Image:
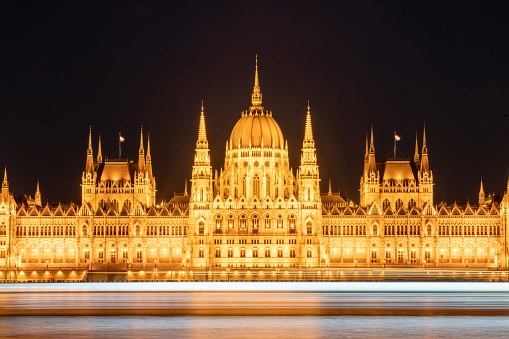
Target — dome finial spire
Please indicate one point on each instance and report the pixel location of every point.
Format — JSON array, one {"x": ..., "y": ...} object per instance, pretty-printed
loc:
[{"x": 256, "y": 97}]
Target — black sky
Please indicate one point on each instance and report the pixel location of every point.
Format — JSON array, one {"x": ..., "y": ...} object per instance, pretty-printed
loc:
[{"x": 116, "y": 65}]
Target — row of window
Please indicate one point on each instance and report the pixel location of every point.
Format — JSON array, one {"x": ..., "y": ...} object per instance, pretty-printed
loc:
[
  {"x": 469, "y": 230},
  {"x": 255, "y": 253}
]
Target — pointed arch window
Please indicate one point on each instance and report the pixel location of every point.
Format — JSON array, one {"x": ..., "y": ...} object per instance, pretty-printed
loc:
[
  {"x": 244, "y": 186},
  {"x": 279, "y": 221},
  {"x": 399, "y": 203},
  {"x": 201, "y": 196},
  {"x": 385, "y": 204},
  {"x": 267, "y": 185},
  {"x": 268, "y": 222},
  {"x": 256, "y": 186}
]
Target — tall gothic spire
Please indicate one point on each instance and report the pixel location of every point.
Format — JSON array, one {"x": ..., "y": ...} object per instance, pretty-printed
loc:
[
  {"x": 424, "y": 160},
  {"x": 141, "y": 157},
  {"x": 38, "y": 201},
  {"x": 5, "y": 183},
  {"x": 482, "y": 195},
  {"x": 308, "y": 132},
  {"x": 256, "y": 97},
  {"x": 330, "y": 187},
  {"x": 90, "y": 153},
  {"x": 416, "y": 153},
  {"x": 424, "y": 147},
  {"x": 202, "y": 141},
  {"x": 149, "y": 157},
  {"x": 372, "y": 143},
  {"x": 99, "y": 152}
]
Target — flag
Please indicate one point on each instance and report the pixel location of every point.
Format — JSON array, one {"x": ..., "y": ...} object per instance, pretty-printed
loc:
[
  {"x": 122, "y": 139},
  {"x": 396, "y": 137}
]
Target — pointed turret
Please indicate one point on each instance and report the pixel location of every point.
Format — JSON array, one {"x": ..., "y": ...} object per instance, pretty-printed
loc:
[
  {"x": 424, "y": 161},
  {"x": 202, "y": 141},
  {"x": 309, "y": 142},
  {"x": 90, "y": 153},
  {"x": 201, "y": 180},
  {"x": 99, "y": 152},
  {"x": 371, "y": 155},
  {"x": 330, "y": 188},
  {"x": 308, "y": 175},
  {"x": 5, "y": 188},
  {"x": 38, "y": 201},
  {"x": 185, "y": 188},
  {"x": 141, "y": 156},
  {"x": 482, "y": 195},
  {"x": 5, "y": 183},
  {"x": 149, "y": 157},
  {"x": 372, "y": 143},
  {"x": 416, "y": 152},
  {"x": 256, "y": 97}
]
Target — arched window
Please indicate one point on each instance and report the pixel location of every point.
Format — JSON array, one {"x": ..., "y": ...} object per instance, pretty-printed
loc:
[
  {"x": 84, "y": 230},
  {"x": 114, "y": 204},
  {"x": 128, "y": 205},
  {"x": 292, "y": 252},
  {"x": 218, "y": 253},
  {"x": 267, "y": 185},
  {"x": 428, "y": 231},
  {"x": 308, "y": 196},
  {"x": 255, "y": 221},
  {"x": 230, "y": 253},
  {"x": 243, "y": 221},
  {"x": 309, "y": 253},
  {"x": 268, "y": 221},
  {"x": 267, "y": 253},
  {"x": 309, "y": 227},
  {"x": 219, "y": 222},
  {"x": 137, "y": 231},
  {"x": 255, "y": 253},
  {"x": 201, "y": 228},
  {"x": 411, "y": 203},
  {"x": 226, "y": 193},
  {"x": 201, "y": 253},
  {"x": 279, "y": 252},
  {"x": 385, "y": 204},
  {"x": 256, "y": 186},
  {"x": 399, "y": 203},
  {"x": 279, "y": 221},
  {"x": 231, "y": 221},
  {"x": 236, "y": 195},
  {"x": 242, "y": 252},
  {"x": 375, "y": 229},
  {"x": 201, "y": 196},
  {"x": 291, "y": 221},
  {"x": 244, "y": 186}
]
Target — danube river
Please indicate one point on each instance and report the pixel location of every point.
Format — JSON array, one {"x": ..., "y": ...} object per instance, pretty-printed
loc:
[{"x": 298, "y": 310}]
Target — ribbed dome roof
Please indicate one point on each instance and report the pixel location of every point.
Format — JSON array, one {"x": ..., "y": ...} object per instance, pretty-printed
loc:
[
  {"x": 251, "y": 128},
  {"x": 256, "y": 123}
]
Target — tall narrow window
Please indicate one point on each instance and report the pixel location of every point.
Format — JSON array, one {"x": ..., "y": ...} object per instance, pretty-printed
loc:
[
  {"x": 267, "y": 185},
  {"x": 256, "y": 186},
  {"x": 244, "y": 188}
]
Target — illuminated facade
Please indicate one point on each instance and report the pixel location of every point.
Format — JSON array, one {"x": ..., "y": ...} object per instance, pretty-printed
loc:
[{"x": 254, "y": 213}]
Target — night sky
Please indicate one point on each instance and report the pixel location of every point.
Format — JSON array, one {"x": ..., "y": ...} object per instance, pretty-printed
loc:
[{"x": 117, "y": 65}]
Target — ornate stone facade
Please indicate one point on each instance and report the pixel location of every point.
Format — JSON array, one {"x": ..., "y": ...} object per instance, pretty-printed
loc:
[{"x": 253, "y": 213}]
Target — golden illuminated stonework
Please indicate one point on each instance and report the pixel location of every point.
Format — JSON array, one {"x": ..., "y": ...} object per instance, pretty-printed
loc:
[{"x": 255, "y": 212}]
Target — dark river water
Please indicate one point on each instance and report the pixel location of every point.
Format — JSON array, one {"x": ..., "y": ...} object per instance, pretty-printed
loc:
[{"x": 110, "y": 312}]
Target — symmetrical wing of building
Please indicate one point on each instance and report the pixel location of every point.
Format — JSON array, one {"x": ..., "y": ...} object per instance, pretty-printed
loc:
[{"x": 254, "y": 212}]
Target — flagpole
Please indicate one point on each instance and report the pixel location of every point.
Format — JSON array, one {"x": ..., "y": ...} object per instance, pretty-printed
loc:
[
  {"x": 119, "y": 148},
  {"x": 394, "y": 144}
]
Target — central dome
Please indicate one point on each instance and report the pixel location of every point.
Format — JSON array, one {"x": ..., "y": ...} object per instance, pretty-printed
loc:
[
  {"x": 257, "y": 127},
  {"x": 252, "y": 128}
]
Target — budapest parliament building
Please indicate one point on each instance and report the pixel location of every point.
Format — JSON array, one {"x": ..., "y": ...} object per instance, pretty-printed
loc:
[{"x": 254, "y": 213}]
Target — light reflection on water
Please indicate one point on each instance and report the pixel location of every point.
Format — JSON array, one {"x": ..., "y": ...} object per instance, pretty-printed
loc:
[
  {"x": 260, "y": 327},
  {"x": 254, "y": 314}
]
